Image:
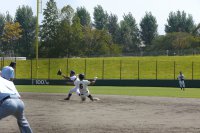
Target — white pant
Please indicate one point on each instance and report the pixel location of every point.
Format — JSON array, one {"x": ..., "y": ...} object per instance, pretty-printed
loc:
[
  {"x": 75, "y": 89},
  {"x": 182, "y": 84},
  {"x": 15, "y": 107},
  {"x": 84, "y": 95}
]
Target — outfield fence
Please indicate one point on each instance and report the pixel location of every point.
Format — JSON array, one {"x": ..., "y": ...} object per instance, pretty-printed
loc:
[{"x": 105, "y": 68}]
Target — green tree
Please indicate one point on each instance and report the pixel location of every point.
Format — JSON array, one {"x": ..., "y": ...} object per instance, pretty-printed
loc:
[
  {"x": 100, "y": 18},
  {"x": 195, "y": 43},
  {"x": 179, "y": 22},
  {"x": 2, "y": 22},
  {"x": 24, "y": 15},
  {"x": 98, "y": 43},
  {"x": 113, "y": 28},
  {"x": 11, "y": 33},
  {"x": 49, "y": 29},
  {"x": 101, "y": 43},
  {"x": 63, "y": 38},
  {"x": 196, "y": 31},
  {"x": 67, "y": 14},
  {"x": 84, "y": 16},
  {"x": 8, "y": 17},
  {"x": 174, "y": 41},
  {"x": 182, "y": 40},
  {"x": 77, "y": 36},
  {"x": 148, "y": 28},
  {"x": 88, "y": 43},
  {"x": 65, "y": 34},
  {"x": 129, "y": 34}
]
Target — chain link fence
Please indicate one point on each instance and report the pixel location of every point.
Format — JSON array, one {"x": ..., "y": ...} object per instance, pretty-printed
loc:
[{"x": 105, "y": 68}]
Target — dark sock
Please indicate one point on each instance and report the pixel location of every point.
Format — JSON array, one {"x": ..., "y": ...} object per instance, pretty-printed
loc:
[
  {"x": 68, "y": 97},
  {"x": 91, "y": 98}
]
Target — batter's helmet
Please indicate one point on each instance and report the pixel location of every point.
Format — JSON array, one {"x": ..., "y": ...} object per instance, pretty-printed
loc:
[{"x": 81, "y": 76}]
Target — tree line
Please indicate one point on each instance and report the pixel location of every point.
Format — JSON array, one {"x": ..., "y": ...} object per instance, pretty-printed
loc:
[{"x": 67, "y": 32}]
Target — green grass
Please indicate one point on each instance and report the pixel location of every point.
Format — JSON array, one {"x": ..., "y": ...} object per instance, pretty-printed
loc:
[
  {"x": 113, "y": 90},
  {"x": 162, "y": 67}
]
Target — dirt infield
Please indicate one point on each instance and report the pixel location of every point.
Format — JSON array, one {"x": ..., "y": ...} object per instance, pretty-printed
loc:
[{"x": 112, "y": 114}]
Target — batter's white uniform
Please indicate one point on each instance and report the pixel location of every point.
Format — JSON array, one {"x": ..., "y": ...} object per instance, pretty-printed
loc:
[
  {"x": 76, "y": 88},
  {"x": 181, "y": 78},
  {"x": 83, "y": 87}
]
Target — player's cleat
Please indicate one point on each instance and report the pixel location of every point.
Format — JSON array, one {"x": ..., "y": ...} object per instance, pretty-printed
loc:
[
  {"x": 66, "y": 98},
  {"x": 96, "y": 99}
]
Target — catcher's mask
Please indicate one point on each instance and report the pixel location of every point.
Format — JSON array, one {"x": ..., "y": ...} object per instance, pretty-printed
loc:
[{"x": 81, "y": 76}]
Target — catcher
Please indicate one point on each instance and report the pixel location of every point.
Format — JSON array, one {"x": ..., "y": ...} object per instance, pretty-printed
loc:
[
  {"x": 83, "y": 87},
  {"x": 73, "y": 78}
]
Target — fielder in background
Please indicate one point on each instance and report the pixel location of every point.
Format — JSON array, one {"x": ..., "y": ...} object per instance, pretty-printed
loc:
[
  {"x": 73, "y": 78},
  {"x": 181, "y": 79},
  {"x": 83, "y": 87},
  {"x": 8, "y": 72},
  {"x": 11, "y": 104}
]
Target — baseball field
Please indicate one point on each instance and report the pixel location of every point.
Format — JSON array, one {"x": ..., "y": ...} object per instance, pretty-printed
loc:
[{"x": 119, "y": 110}]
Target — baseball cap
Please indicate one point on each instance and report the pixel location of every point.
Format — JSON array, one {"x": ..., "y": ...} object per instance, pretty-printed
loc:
[
  {"x": 72, "y": 72},
  {"x": 13, "y": 64}
]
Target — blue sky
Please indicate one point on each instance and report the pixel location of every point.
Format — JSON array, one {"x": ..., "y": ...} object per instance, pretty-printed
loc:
[{"x": 159, "y": 8}]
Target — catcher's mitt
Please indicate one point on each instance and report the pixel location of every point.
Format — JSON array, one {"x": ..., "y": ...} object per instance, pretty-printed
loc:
[{"x": 59, "y": 72}]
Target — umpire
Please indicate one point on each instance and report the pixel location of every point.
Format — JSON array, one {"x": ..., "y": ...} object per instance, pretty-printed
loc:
[{"x": 11, "y": 104}]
